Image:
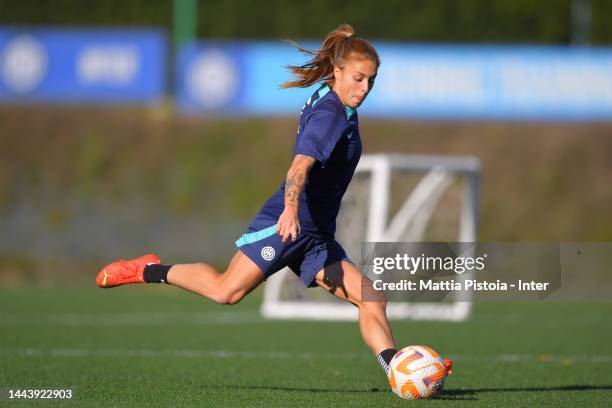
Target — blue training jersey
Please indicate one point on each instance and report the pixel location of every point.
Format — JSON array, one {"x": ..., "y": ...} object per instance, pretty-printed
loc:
[{"x": 328, "y": 132}]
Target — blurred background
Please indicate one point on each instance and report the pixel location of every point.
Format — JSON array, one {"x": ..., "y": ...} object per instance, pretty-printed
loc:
[
  {"x": 137, "y": 126},
  {"x": 159, "y": 126}
]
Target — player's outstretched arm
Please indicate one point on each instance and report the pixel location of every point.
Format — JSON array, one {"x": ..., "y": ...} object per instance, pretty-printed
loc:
[{"x": 288, "y": 222}]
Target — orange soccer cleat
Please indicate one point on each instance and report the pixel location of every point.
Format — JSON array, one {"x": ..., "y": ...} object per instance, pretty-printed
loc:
[
  {"x": 448, "y": 366},
  {"x": 122, "y": 272}
]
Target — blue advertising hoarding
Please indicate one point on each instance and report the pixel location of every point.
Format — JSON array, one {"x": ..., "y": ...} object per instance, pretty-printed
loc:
[
  {"x": 414, "y": 81},
  {"x": 237, "y": 79},
  {"x": 86, "y": 65}
]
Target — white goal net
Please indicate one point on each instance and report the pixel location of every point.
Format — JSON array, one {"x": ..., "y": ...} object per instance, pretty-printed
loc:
[{"x": 392, "y": 198}]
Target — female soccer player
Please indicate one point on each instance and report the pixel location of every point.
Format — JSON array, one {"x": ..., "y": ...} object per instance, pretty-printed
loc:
[{"x": 296, "y": 226}]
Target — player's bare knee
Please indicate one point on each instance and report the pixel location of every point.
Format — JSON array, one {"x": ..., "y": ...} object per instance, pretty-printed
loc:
[
  {"x": 371, "y": 299},
  {"x": 235, "y": 298},
  {"x": 228, "y": 296},
  {"x": 373, "y": 306},
  {"x": 382, "y": 302},
  {"x": 222, "y": 298}
]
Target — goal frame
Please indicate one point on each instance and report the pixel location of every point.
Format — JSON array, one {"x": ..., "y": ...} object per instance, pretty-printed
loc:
[{"x": 436, "y": 170}]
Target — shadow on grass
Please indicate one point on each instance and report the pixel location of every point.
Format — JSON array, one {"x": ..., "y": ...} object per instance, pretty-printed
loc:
[
  {"x": 274, "y": 388},
  {"x": 472, "y": 393},
  {"x": 464, "y": 394}
]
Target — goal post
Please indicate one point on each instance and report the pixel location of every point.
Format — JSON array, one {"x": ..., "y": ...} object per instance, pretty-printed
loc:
[{"x": 392, "y": 198}]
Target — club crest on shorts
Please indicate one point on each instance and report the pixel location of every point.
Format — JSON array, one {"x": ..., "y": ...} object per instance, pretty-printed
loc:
[{"x": 268, "y": 253}]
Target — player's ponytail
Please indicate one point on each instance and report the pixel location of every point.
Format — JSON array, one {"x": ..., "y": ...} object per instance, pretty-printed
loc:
[{"x": 335, "y": 50}]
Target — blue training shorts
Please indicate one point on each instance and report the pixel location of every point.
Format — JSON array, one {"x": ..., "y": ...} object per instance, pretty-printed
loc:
[{"x": 306, "y": 256}]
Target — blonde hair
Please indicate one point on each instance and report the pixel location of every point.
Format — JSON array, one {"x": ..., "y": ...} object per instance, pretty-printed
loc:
[{"x": 336, "y": 49}]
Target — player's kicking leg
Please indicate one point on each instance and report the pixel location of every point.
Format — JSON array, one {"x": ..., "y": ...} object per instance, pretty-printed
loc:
[
  {"x": 240, "y": 278},
  {"x": 344, "y": 280}
]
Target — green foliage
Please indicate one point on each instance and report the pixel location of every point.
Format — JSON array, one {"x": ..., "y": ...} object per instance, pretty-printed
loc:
[
  {"x": 540, "y": 181},
  {"x": 497, "y": 21}
]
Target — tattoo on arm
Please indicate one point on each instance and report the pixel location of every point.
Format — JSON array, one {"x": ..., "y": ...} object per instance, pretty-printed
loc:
[
  {"x": 293, "y": 188},
  {"x": 296, "y": 179}
]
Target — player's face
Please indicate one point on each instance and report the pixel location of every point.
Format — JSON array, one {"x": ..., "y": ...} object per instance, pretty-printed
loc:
[{"x": 354, "y": 80}]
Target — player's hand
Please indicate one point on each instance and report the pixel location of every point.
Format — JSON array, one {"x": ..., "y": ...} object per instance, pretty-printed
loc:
[{"x": 288, "y": 224}]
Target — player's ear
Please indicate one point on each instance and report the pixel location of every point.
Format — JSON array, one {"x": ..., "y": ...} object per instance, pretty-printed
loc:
[{"x": 338, "y": 72}]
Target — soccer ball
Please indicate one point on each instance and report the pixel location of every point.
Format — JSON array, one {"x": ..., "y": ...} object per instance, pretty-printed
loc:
[{"x": 417, "y": 372}]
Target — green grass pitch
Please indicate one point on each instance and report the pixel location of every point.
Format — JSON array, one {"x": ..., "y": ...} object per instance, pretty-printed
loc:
[{"x": 160, "y": 346}]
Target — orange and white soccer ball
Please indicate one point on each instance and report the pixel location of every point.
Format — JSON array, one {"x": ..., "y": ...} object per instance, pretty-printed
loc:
[{"x": 417, "y": 372}]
